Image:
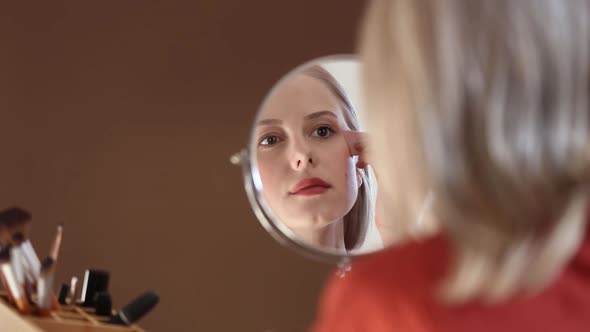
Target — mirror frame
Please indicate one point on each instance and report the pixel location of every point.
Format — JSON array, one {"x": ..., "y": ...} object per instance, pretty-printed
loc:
[{"x": 253, "y": 186}]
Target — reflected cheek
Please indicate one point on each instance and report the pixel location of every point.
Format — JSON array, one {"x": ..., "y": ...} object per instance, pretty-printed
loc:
[
  {"x": 352, "y": 180},
  {"x": 268, "y": 172},
  {"x": 272, "y": 175},
  {"x": 343, "y": 165},
  {"x": 338, "y": 154}
]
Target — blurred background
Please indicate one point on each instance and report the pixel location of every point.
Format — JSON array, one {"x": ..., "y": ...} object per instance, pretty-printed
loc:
[{"x": 118, "y": 119}]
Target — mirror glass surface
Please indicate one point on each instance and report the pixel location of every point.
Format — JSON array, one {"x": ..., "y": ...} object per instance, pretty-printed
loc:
[{"x": 303, "y": 154}]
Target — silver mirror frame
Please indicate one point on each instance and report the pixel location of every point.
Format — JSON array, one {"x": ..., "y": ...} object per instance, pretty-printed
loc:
[{"x": 253, "y": 186}]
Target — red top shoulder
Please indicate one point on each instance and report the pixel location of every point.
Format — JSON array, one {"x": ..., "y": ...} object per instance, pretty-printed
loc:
[{"x": 394, "y": 290}]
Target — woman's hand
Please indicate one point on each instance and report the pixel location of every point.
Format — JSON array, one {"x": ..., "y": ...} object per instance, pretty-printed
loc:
[
  {"x": 356, "y": 141},
  {"x": 362, "y": 154}
]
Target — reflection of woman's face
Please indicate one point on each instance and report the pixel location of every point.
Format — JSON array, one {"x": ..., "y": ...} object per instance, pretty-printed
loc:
[{"x": 308, "y": 176}]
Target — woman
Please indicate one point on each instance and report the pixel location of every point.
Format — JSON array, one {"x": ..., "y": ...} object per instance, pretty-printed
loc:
[
  {"x": 309, "y": 177},
  {"x": 485, "y": 103}
]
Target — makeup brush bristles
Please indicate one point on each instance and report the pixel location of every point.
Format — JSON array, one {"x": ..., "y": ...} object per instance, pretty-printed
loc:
[{"x": 14, "y": 216}]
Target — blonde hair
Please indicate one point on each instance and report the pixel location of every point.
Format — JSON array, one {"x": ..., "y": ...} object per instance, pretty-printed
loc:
[
  {"x": 485, "y": 103},
  {"x": 356, "y": 221}
]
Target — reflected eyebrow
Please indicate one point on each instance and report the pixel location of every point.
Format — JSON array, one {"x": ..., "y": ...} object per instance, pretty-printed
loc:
[
  {"x": 269, "y": 122},
  {"x": 311, "y": 116},
  {"x": 319, "y": 114}
]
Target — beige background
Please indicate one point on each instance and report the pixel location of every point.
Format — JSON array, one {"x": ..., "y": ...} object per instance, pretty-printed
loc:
[{"x": 117, "y": 118}]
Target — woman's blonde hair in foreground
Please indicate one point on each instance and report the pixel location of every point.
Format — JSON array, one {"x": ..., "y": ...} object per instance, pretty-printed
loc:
[{"x": 486, "y": 103}]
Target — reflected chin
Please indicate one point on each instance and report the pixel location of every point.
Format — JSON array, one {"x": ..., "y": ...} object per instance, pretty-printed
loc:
[
  {"x": 311, "y": 218},
  {"x": 308, "y": 224}
]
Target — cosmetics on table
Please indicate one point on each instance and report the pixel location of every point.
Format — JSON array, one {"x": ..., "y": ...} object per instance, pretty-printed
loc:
[
  {"x": 64, "y": 293},
  {"x": 29, "y": 283},
  {"x": 136, "y": 309},
  {"x": 95, "y": 281},
  {"x": 73, "y": 290},
  {"x": 45, "y": 286}
]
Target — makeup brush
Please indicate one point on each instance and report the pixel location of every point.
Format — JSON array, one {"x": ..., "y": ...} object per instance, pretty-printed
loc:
[
  {"x": 12, "y": 220},
  {"x": 45, "y": 286},
  {"x": 15, "y": 290},
  {"x": 29, "y": 259},
  {"x": 17, "y": 260},
  {"x": 4, "y": 259},
  {"x": 47, "y": 298},
  {"x": 54, "y": 253},
  {"x": 14, "y": 216}
]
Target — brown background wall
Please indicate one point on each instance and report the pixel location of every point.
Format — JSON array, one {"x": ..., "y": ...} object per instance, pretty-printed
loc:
[{"x": 117, "y": 118}]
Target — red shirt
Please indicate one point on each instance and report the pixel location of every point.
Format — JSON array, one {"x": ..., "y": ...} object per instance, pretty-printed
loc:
[{"x": 394, "y": 291}]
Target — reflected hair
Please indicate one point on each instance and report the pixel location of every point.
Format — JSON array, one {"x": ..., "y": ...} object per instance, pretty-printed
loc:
[
  {"x": 485, "y": 102},
  {"x": 356, "y": 221}
]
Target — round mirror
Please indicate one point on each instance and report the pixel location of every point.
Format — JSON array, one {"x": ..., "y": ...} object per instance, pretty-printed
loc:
[{"x": 301, "y": 166}]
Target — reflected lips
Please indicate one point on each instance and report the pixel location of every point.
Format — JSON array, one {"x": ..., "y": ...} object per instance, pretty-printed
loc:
[{"x": 311, "y": 186}]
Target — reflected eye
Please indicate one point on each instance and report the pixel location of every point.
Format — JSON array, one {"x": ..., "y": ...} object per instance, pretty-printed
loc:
[
  {"x": 323, "y": 132},
  {"x": 269, "y": 140}
]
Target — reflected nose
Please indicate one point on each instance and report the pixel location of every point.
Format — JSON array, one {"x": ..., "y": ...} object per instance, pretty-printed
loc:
[{"x": 302, "y": 159}]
